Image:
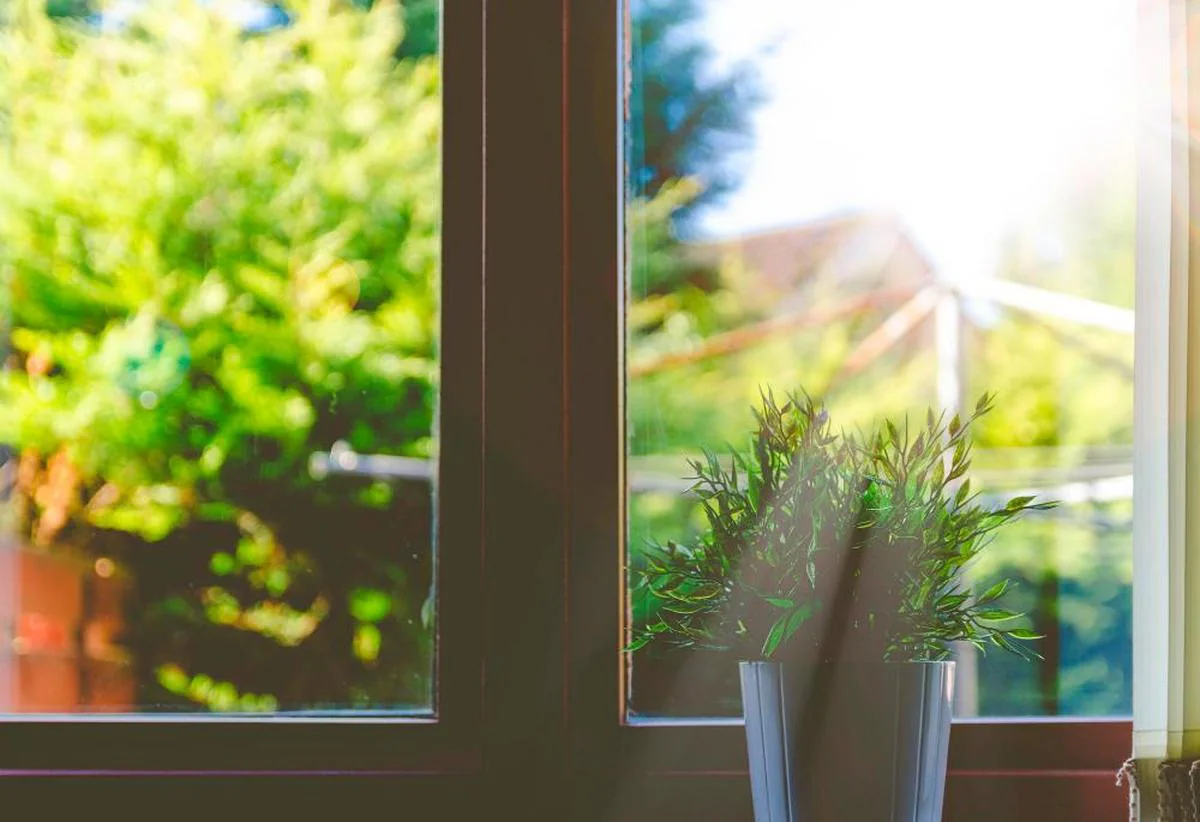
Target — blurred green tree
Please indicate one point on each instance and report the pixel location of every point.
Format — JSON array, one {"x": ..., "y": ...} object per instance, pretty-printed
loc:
[
  {"x": 220, "y": 254},
  {"x": 692, "y": 118}
]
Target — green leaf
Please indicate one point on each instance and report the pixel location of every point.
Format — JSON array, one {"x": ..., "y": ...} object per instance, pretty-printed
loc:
[
  {"x": 172, "y": 678},
  {"x": 774, "y": 637},
  {"x": 639, "y": 643},
  {"x": 685, "y": 607},
  {"x": 222, "y": 564},
  {"x": 1025, "y": 633},
  {"x": 995, "y": 615},
  {"x": 960, "y": 453},
  {"x": 785, "y": 628},
  {"x": 964, "y": 491},
  {"x": 780, "y": 602},
  {"x": 951, "y": 601},
  {"x": 216, "y": 512},
  {"x": 1004, "y": 642},
  {"x": 994, "y": 593},
  {"x": 369, "y": 604},
  {"x": 797, "y": 618},
  {"x": 367, "y": 642},
  {"x": 957, "y": 471}
]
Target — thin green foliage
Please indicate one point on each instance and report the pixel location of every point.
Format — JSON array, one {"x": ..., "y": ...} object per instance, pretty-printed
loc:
[{"x": 821, "y": 544}]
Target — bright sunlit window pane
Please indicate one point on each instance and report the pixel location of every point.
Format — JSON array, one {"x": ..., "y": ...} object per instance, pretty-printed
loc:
[
  {"x": 219, "y": 249},
  {"x": 892, "y": 207}
]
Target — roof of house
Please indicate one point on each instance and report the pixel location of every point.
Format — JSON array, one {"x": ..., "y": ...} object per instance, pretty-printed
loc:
[{"x": 849, "y": 253}]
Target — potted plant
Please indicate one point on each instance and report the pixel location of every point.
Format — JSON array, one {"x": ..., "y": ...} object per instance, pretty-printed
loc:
[{"x": 832, "y": 570}]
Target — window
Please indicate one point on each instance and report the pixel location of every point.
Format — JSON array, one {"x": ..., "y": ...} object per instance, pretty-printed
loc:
[
  {"x": 530, "y": 708},
  {"x": 888, "y": 241},
  {"x": 844, "y": 215},
  {"x": 817, "y": 202},
  {"x": 235, "y": 180}
]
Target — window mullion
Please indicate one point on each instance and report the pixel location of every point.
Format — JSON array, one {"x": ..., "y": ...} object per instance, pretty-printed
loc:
[
  {"x": 596, "y": 435},
  {"x": 522, "y": 615}
]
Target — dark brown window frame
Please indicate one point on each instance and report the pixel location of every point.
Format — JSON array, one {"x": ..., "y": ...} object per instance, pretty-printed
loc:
[{"x": 531, "y": 504}]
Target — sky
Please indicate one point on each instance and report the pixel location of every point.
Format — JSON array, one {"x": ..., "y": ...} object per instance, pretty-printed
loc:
[{"x": 962, "y": 118}]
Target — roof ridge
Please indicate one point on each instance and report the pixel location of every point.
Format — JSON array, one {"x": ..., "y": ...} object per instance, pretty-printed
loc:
[{"x": 836, "y": 219}]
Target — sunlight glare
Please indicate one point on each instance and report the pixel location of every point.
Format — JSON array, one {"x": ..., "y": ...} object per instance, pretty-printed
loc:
[{"x": 961, "y": 118}]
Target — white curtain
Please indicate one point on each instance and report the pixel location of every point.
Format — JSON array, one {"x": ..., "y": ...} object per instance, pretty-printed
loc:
[{"x": 1166, "y": 653}]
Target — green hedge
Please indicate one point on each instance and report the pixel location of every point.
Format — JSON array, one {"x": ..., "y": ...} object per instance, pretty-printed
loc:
[{"x": 220, "y": 255}]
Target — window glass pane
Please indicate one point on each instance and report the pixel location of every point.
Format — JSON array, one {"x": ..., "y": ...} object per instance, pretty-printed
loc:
[
  {"x": 893, "y": 207},
  {"x": 219, "y": 243}
]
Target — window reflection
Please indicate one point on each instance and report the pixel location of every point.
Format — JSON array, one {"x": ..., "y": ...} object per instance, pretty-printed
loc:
[{"x": 891, "y": 207}]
